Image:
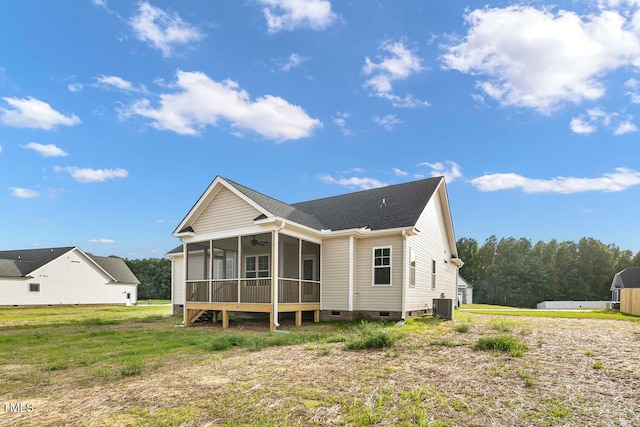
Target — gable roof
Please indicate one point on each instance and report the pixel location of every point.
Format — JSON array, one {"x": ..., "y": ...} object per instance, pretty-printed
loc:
[
  {"x": 19, "y": 263},
  {"x": 116, "y": 268},
  {"x": 393, "y": 206},
  {"x": 627, "y": 278}
]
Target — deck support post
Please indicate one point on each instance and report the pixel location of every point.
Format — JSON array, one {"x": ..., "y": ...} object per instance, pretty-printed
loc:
[
  {"x": 316, "y": 316},
  {"x": 215, "y": 316},
  {"x": 225, "y": 319},
  {"x": 272, "y": 325},
  {"x": 298, "y": 318},
  {"x": 187, "y": 317}
]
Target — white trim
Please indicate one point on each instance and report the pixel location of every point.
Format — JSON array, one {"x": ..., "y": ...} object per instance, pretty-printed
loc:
[
  {"x": 248, "y": 231},
  {"x": 373, "y": 265},
  {"x": 351, "y": 267}
]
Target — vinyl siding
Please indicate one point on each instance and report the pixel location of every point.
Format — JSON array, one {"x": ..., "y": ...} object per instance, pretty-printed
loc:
[
  {"x": 335, "y": 274},
  {"x": 431, "y": 244},
  {"x": 197, "y": 268},
  {"x": 383, "y": 298},
  {"x": 68, "y": 279},
  {"x": 226, "y": 211},
  {"x": 178, "y": 280}
]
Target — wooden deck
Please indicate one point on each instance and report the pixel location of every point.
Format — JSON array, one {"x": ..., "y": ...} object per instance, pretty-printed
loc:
[{"x": 251, "y": 296}]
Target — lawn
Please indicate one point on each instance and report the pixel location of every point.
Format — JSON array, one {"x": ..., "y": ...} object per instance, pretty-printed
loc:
[
  {"x": 137, "y": 366},
  {"x": 532, "y": 312}
]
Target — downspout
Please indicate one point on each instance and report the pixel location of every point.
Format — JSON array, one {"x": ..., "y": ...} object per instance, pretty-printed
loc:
[
  {"x": 276, "y": 261},
  {"x": 404, "y": 274},
  {"x": 185, "y": 266},
  {"x": 351, "y": 260}
]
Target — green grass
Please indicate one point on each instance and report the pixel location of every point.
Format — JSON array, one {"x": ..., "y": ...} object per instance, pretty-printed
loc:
[
  {"x": 371, "y": 335},
  {"x": 503, "y": 343},
  {"x": 511, "y": 311}
]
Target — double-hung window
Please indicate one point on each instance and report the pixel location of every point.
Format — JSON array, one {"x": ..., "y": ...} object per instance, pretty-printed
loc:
[
  {"x": 382, "y": 266},
  {"x": 412, "y": 267},
  {"x": 257, "y": 266},
  {"x": 433, "y": 274}
]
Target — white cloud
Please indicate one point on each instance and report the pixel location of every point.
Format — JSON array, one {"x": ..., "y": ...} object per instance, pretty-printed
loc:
[
  {"x": 400, "y": 63},
  {"x": 399, "y": 172},
  {"x": 33, "y": 113},
  {"x": 75, "y": 87},
  {"x": 594, "y": 118},
  {"x": 621, "y": 179},
  {"x": 87, "y": 175},
  {"x": 101, "y": 241},
  {"x": 540, "y": 59},
  {"x": 161, "y": 29},
  {"x": 360, "y": 182},
  {"x": 203, "y": 101},
  {"x": 579, "y": 126},
  {"x": 634, "y": 85},
  {"x": 0, "y": 148},
  {"x": 340, "y": 120},
  {"x": 46, "y": 150},
  {"x": 114, "y": 81},
  {"x": 625, "y": 127},
  {"x": 450, "y": 170},
  {"x": 387, "y": 122},
  {"x": 23, "y": 193},
  {"x": 288, "y": 15},
  {"x": 293, "y": 61}
]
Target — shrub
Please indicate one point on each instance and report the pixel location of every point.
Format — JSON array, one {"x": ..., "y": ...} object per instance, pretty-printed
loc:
[
  {"x": 462, "y": 328},
  {"x": 502, "y": 343}
]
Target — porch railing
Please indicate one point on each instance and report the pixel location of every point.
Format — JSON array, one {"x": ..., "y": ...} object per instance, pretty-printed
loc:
[
  {"x": 253, "y": 291},
  {"x": 298, "y": 291}
]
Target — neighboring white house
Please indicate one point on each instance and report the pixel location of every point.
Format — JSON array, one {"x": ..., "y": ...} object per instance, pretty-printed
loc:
[
  {"x": 381, "y": 253},
  {"x": 465, "y": 291},
  {"x": 65, "y": 275}
]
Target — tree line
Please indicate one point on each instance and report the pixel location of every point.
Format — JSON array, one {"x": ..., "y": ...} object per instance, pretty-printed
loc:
[
  {"x": 154, "y": 275},
  {"x": 517, "y": 273}
]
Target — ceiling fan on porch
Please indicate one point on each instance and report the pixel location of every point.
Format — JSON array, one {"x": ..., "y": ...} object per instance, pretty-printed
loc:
[{"x": 256, "y": 242}]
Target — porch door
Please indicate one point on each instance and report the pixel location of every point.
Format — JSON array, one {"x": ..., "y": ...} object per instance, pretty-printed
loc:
[
  {"x": 308, "y": 268},
  {"x": 308, "y": 273}
]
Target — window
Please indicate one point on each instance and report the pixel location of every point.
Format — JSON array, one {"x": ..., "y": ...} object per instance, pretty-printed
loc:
[
  {"x": 412, "y": 268},
  {"x": 257, "y": 266},
  {"x": 433, "y": 274},
  {"x": 34, "y": 287},
  {"x": 382, "y": 266}
]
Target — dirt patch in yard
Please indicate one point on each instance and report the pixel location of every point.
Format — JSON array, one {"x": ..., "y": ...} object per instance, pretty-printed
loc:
[{"x": 576, "y": 372}]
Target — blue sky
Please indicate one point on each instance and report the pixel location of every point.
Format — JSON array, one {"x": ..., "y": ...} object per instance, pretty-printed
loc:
[{"x": 115, "y": 115}]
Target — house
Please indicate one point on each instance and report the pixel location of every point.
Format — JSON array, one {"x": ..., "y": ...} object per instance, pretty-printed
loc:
[
  {"x": 465, "y": 291},
  {"x": 625, "y": 279},
  {"x": 380, "y": 253},
  {"x": 64, "y": 275},
  {"x": 625, "y": 290}
]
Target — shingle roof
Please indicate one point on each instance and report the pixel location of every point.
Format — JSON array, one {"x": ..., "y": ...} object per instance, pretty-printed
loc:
[
  {"x": 278, "y": 208},
  {"x": 117, "y": 268},
  {"x": 19, "y": 263},
  {"x": 27, "y": 260},
  {"x": 627, "y": 278},
  {"x": 393, "y": 206}
]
